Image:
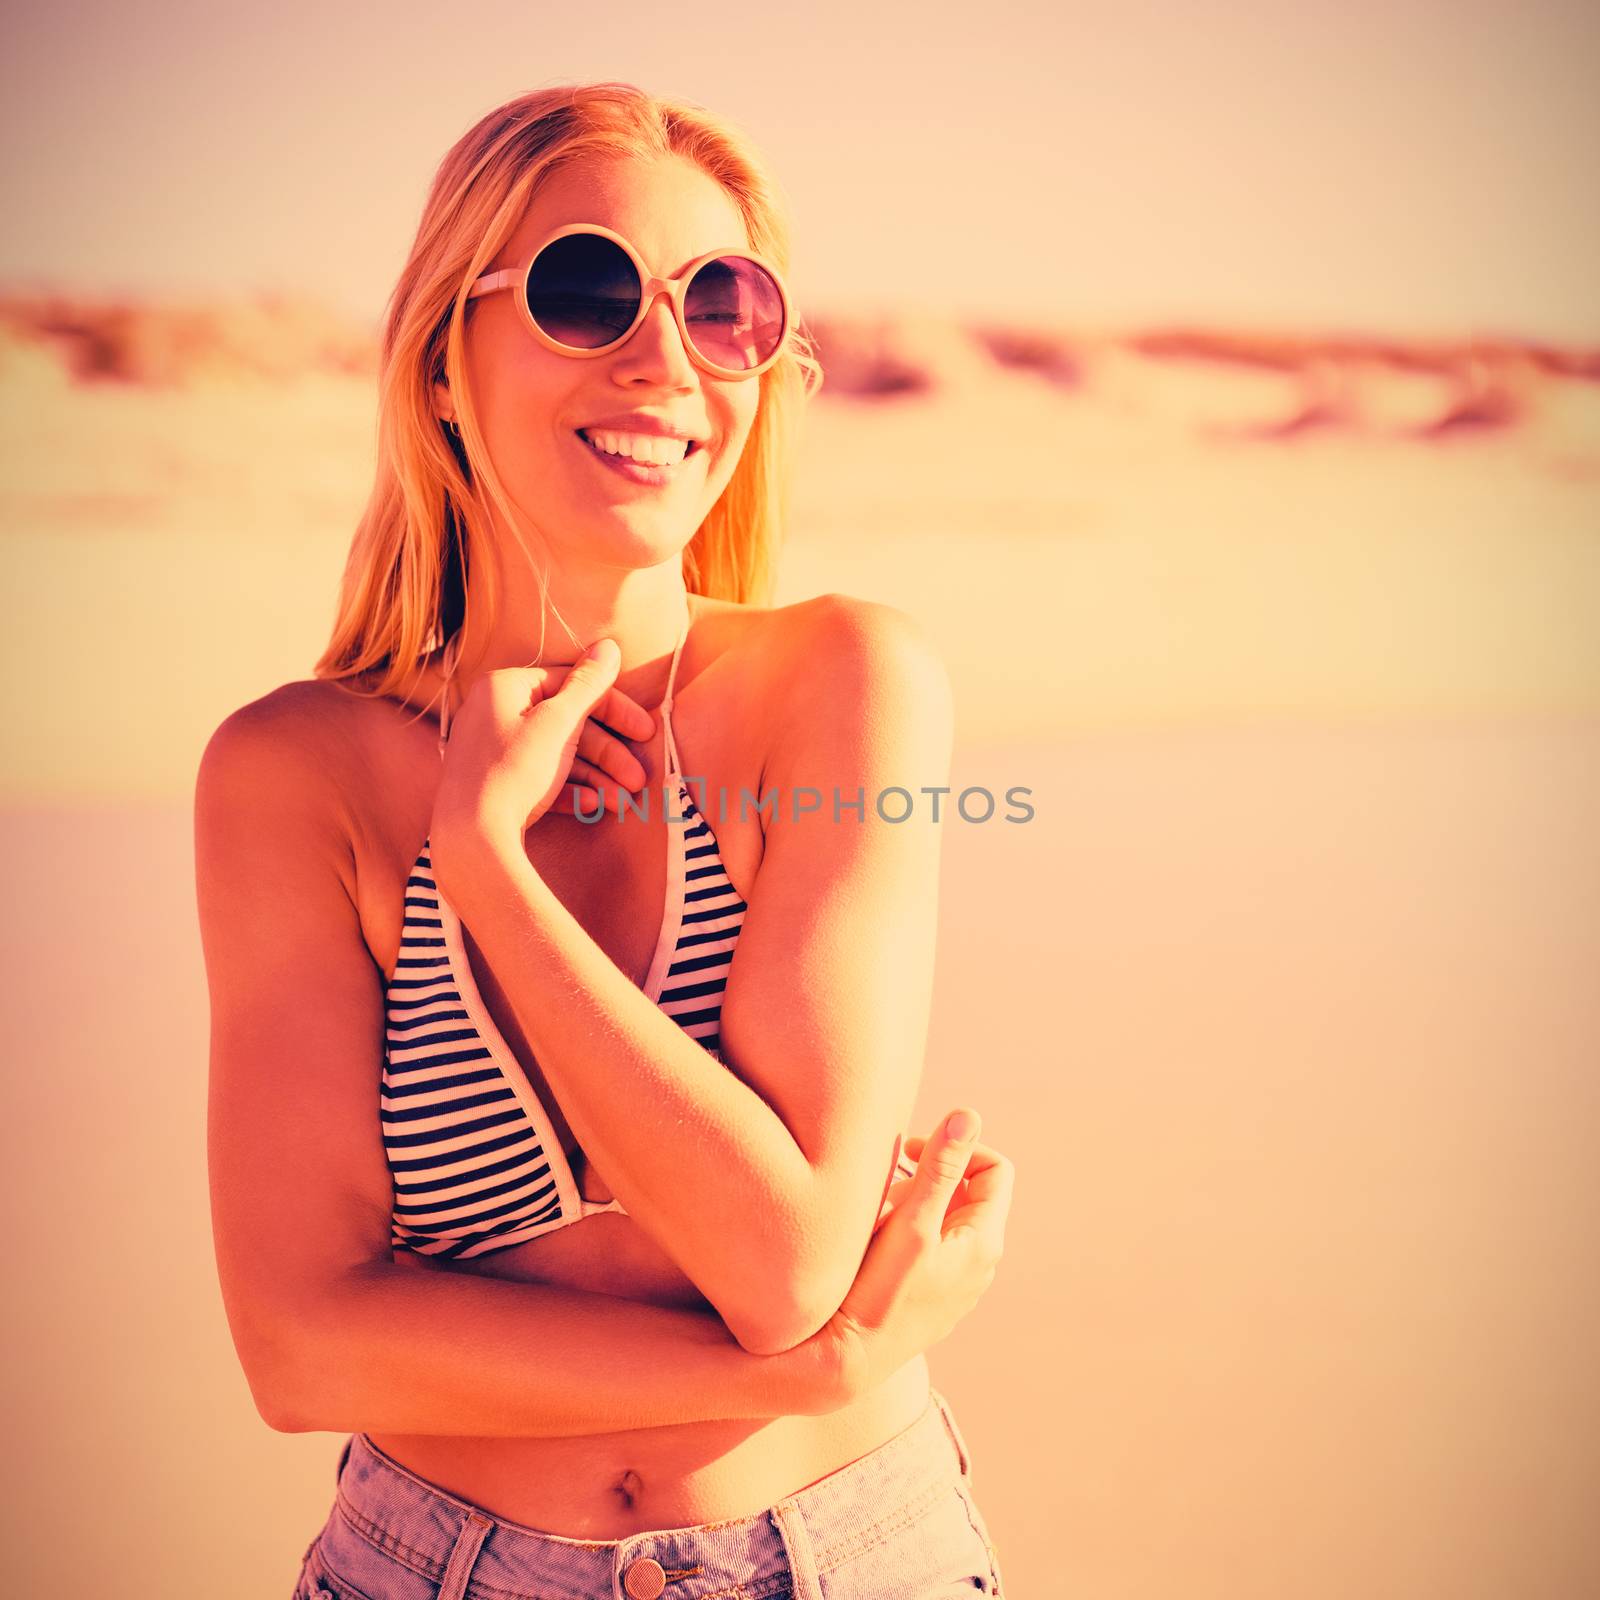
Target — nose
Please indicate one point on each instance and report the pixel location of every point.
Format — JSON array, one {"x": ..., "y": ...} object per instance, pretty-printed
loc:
[{"x": 655, "y": 349}]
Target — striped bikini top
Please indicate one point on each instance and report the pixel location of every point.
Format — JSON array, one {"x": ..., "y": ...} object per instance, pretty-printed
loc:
[{"x": 476, "y": 1164}]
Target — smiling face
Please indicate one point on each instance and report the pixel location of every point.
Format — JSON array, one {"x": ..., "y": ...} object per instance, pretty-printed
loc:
[{"x": 531, "y": 401}]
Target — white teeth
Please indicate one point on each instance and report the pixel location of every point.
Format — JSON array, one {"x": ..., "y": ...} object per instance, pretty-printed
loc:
[{"x": 648, "y": 448}]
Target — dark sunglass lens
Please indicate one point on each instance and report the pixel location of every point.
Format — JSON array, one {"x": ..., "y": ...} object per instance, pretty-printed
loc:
[
  {"x": 734, "y": 310},
  {"x": 583, "y": 291}
]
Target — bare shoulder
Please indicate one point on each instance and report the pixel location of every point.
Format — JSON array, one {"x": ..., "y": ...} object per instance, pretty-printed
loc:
[
  {"x": 850, "y": 658},
  {"x": 849, "y": 632},
  {"x": 302, "y": 728},
  {"x": 855, "y": 687},
  {"x": 294, "y": 754}
]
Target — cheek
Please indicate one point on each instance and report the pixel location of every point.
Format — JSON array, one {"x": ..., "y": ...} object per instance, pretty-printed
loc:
[
  {"x": 518, "y": 415},
  {"x": 518, "y": 388},
  {"x": 736, "y": 431}
]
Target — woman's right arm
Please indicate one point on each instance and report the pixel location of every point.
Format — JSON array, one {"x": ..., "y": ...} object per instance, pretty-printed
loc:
[{"x": 332, "y": 1332}]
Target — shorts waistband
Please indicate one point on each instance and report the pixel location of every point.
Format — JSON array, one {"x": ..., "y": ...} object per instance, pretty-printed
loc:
[{"x": 443, "y": 1537}]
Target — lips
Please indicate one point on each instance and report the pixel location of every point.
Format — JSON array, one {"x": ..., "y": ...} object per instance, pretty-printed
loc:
[
  {"x": 692, "y": 447},
  {"x": 644, "y": 472},
  {"x": 644, "y": 423}
]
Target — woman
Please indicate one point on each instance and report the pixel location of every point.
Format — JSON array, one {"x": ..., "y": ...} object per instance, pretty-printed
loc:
[{"x": 590, "y": 371}]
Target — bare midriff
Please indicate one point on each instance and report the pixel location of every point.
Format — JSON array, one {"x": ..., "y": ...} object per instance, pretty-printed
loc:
[{"x": 612, "y": 1485}]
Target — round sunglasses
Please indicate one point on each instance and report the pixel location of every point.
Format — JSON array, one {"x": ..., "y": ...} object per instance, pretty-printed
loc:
[{"x": 586, "y": 289}]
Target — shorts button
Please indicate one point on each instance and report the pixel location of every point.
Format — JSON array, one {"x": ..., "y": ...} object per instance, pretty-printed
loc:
[{"x": 644, "y": 1579}]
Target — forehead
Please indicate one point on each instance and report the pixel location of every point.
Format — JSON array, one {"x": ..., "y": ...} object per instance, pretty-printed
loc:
[{"x": 668, "y": 209}]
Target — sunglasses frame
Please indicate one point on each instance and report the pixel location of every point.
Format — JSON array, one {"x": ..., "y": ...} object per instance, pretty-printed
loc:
[{"x": 650, "y": 286}]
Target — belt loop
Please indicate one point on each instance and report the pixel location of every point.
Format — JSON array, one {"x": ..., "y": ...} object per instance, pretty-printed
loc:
[
  {"x": 804, "y": 1580},
  {"x": 344, "y": 1456},
  {"x": 464, "y": 1556},
  {"x": 962, "y": 1453}
]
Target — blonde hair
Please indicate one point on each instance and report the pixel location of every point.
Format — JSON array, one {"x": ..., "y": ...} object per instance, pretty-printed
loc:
[{"x": 404, "y": 590}]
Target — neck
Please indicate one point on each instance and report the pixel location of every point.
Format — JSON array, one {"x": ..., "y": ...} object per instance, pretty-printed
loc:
[{"x": 647, "y": 617}]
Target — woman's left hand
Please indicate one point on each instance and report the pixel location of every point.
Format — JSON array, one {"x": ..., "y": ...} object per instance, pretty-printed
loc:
[
  {"x": 528, "y": 739},
  {"x": 928, "y": 1262}
]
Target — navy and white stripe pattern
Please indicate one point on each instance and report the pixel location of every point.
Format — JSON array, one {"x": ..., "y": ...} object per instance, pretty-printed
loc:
[
  {"x": 470, "y": 1171},
  {"x": 712, "y": 915},
  {"x": 475, "y": 1165}
]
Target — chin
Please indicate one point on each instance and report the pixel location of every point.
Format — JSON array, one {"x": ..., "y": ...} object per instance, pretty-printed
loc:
[{"x": 637, "y": 536}]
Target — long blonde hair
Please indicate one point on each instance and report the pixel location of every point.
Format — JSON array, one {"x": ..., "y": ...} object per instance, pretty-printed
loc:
[{"x": 404, "y": 590}]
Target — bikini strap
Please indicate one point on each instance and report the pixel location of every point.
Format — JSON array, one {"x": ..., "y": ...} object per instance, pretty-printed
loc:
[{"x": 673, "y": 769}]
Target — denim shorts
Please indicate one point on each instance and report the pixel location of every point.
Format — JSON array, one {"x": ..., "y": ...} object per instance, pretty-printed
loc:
[{"x": 898, "y": 1523}]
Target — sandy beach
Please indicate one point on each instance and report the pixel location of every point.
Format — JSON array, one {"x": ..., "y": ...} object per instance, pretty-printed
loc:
[{"x": 1283, "y": 1002}]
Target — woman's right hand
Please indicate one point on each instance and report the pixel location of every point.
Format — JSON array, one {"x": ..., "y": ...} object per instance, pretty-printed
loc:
[
  {"x": 525, "y": 738},
  {"x": 929, "y": 1261}
]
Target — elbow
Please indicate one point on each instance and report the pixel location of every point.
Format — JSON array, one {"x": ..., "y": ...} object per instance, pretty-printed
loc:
[
  {"x": 279, "y": 1399},
  {"x": 286, "y": 1398},
  {"x": 768, "y": 1337},
  {"x": 280, "y": 1366},
  {"x": 790, "y": 1294},
  {"x": 786, "y": 1315},
  {"x": 310, "y": 1360},
  {"x": 773, "y": 1338},
  {"x": 275, "y": 1410}
]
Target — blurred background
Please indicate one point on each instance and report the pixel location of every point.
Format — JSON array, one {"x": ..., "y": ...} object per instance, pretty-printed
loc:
[{"x": 1221, "y": 386}]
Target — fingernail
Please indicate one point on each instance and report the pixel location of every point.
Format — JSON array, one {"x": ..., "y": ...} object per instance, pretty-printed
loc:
[{"x": 960, "y": 1126}]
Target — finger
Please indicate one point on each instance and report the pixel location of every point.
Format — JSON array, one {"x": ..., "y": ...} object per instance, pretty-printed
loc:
[
  {"x": 620, "y": 798},
  {"x": 520, "y": 697},
  {"x": 623, "y": 715},
  {"x": 940, "y": 1167},
  {"x": 980, "y": 1154},
  {"x": 576, "y": 797},
  {"x": 583, "y": 771},
  {"x": 589, "y": 681},
  {"x": 986, "y": 1201},
  {"x": 611, "y": 760},
  {"x": 616, "y": 709},
  {"x": 965, "y": 1210},
  {"x": 597, "y": 795}
]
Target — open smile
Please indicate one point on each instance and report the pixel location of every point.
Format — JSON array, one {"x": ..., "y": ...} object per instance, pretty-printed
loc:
[{"x": 660, "y": 467}]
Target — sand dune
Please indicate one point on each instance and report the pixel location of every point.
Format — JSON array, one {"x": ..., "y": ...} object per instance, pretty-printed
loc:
[
  {"x": 1422, "y": 388},
  {"x": 130, "y": 341}
]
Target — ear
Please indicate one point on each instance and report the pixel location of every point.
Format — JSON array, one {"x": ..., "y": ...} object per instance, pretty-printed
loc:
[{"x": 443, "y": 406}]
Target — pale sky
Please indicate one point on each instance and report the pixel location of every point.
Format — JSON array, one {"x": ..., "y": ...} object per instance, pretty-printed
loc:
[{"x": 1389, "y": 165}]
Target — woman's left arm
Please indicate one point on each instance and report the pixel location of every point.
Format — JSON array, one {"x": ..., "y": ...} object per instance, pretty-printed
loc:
[{"x": 763, "y": 1177}]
